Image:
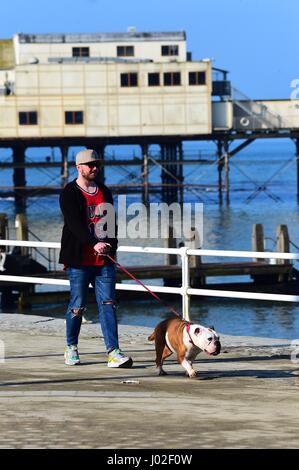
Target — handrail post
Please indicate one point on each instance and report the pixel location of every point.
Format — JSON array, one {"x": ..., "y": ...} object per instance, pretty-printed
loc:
[{"x": 185, "y": 283}]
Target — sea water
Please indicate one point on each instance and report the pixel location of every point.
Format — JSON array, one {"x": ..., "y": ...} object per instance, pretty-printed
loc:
[{"x": 262, "y": 190}]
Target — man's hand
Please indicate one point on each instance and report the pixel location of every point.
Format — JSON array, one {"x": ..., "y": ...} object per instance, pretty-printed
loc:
[{"x": 102, "y": 248}]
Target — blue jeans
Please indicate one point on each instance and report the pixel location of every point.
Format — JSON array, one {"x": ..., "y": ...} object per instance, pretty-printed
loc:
[{"x": 103, "y": 281}]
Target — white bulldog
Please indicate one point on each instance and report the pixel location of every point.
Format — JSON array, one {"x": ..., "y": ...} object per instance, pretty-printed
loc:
[{"x": 185, "y": 339}]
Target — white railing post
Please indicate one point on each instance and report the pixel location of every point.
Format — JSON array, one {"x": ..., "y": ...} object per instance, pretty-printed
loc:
[{"x": 185, "y": 283}]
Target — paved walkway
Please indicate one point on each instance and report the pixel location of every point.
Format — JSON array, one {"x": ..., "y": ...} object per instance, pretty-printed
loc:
[{"x": 247, "y": 397}]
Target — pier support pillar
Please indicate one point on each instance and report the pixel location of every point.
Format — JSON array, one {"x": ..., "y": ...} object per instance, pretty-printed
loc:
[
  {"x": 282, "y": 242},
  {"x": 180, "y": 172},
  {"x": 19, "y": 177},
  {"x": 4, "y": 232},
  {"x": 171, "y": 260},
  {"x": 170, "y": 176},
  {"x": 144, "y": 171},
  {"x": 220, "y": 165},
  {"x": 283, "y": 246},
  {"x": 226, "y": 170},
  {"x": 64, "y": 165},
  {"x": 21, "y": 227},
  {"x": 258, "y": 240},
  {"x": 101, "y": 153},
  {"x": 192, "y": 240},
  {"x": 6, "y": 295}
]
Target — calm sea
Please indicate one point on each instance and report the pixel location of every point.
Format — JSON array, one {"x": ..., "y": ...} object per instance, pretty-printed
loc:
[{"x": 263, "y": 190}]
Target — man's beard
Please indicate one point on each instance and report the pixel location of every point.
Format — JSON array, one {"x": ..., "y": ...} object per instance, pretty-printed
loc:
[{"x": 90, "y": 176}]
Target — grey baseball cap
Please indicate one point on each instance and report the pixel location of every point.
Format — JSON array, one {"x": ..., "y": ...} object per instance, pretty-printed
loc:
[{"x": 87, "y": 156}]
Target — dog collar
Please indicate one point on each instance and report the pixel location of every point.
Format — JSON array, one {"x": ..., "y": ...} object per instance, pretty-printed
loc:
[{"x": 188, "y": 331}]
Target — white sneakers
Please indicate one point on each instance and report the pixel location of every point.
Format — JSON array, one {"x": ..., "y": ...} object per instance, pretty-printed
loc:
[
  {"x": 71, "y": 356},
  {"x": 117, "y": 359}
]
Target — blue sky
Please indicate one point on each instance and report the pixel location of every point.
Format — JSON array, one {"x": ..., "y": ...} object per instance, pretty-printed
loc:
[{"x": 256, "y": 40}]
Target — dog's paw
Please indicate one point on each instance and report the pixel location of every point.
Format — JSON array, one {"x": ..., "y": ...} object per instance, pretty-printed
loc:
[{"x": 193, "y": 374}]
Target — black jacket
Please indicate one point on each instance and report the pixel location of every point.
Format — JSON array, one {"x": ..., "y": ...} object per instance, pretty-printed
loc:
[{"x": 75, "y": 232}]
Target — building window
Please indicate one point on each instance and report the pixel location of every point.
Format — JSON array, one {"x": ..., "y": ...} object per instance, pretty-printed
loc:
[
  {"x": 28, "y": 118},
  {"x": 153, "y": 79},
  {"x": 197, "y": 78},
  {"x": 73, "y": 117},
  {"x": 125, "y": 51},
  {"x": 80, "y": 51},
  {"x": 170, "y": 50},
  {"x": 128, "y": 79},
  {"x": 172, "y": 78}
]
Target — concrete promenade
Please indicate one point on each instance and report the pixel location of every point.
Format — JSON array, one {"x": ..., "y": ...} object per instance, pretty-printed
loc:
[{"x": 247, "y": 397}]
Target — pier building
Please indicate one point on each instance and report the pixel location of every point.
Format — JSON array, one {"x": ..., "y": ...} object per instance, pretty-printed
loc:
[{"x": 143, "y": 88}]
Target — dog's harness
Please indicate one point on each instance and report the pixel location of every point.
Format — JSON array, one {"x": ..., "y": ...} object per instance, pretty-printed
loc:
[
  {"x": 188, "y": 324},
  {"x": 188, "y": 331},
  {"x": 168, "y": 344}
]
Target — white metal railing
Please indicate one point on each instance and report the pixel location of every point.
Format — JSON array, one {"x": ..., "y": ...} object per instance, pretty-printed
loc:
[
  {"x": 185, "y": 290},
  {"x": 261, "y": 116}
]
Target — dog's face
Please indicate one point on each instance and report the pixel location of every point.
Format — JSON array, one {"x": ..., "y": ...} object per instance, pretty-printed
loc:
[{"x": 206, "y": 339}]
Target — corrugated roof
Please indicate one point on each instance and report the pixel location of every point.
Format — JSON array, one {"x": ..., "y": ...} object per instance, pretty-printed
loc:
[{"x": 101, "y": 37}]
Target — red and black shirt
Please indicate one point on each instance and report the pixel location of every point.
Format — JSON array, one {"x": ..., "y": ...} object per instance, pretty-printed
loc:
[
  {"x": 93, "y": 216},
  {"x": 75, "y": 232}
]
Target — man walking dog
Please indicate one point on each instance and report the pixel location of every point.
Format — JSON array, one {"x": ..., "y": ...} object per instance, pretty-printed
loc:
[{"x": 83, "y": 252}]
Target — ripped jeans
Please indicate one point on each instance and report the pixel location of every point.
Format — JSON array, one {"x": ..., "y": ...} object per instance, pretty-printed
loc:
[{"x": 103, "y": 281}]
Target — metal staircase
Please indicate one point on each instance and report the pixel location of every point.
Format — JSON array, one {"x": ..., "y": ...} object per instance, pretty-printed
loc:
[{"x": 251, "y": 115}]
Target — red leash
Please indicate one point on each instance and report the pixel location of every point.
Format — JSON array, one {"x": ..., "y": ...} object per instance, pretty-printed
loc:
[{"x": 144, "y": 286}]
